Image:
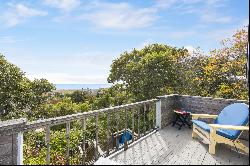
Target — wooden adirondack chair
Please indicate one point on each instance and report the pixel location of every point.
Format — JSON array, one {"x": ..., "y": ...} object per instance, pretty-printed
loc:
[{"x": 227, "y": 127}]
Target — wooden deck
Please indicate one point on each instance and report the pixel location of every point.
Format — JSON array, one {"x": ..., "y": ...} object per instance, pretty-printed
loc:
[{"x": 171, "y": 146}]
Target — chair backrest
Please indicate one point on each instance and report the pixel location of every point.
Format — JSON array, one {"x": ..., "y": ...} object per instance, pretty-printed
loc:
[{"x": 236, "y": 114}]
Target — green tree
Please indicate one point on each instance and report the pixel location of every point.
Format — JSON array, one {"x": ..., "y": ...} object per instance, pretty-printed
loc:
[
  {"x": 192, "y": 74},
  {"x": 19, "y": 95},
  {"x": 113, "y": 96},
  {"x": 231, "y": 66},
  {"x": 64, "y": 107},
  {"x": 146, "y": 72},
  {"x": 220, "y": 73},
  {"x": 80, "y": 96}
]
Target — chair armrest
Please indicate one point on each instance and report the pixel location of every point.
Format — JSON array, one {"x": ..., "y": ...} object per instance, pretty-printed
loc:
[
  {"x": 229, "y": 127},
  {"x": 196, "y": 116}
]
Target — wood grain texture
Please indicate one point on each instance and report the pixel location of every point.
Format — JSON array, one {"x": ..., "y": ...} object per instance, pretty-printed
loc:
[{"x": 171, "y": 146}]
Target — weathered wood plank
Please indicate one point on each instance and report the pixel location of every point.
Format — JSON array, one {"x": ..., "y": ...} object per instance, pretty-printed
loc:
[{"x": 170, "y": 146}]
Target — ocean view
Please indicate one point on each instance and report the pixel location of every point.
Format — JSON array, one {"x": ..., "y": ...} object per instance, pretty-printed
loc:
[{"x": 81, "y": 86}]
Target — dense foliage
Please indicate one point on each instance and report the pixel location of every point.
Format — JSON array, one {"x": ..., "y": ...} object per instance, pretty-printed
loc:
[
  {"x": 160, "y": 69},
  {"x": 145, "y": 72},
  {"x": 19, "y": 96},
  {"x": 222, "y": 73}
]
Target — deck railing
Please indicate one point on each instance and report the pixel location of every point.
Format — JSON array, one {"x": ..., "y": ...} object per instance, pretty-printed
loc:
[
  {"x": 138, "y": 118},
  {"x": 100, "y": 130}
]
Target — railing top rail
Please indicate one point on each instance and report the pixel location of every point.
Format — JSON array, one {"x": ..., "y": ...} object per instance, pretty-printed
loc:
[
  {"x": 202, "y": 97},
  {"x": 11, "y": 124},
  {"x": 68, "y": 118}
]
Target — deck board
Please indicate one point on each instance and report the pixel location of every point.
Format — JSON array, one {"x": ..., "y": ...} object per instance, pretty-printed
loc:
[{"x": 171, "y": 146}]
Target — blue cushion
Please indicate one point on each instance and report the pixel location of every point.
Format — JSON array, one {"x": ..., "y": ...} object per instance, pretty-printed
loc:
[
  {"x": 236, "y": 114},
  {"x": 221, "y": 132},
  {"x": 128, "y": 136},
  {"x": 202, "y": 125}
]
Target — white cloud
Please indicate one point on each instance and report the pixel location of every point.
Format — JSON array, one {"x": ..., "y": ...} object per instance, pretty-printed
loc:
[
  {"x": 64, "y": 5},
  {"x": 212, "y": 17},
  {"x": 212, "y": 2},
  {"x": 209, "y": 11},
  {"x": 165, "y": 4},
  {"x": 191, "y": 49},
  {"x": 181, "y": 3},
  {"x": 119, "y": 16},
  {"x": 18, "y": 13},
  {"x": 24, "y": 11},
  {"x": 220, "y": 34}
]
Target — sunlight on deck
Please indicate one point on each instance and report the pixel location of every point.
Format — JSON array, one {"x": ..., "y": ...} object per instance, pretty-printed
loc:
[{"x": 173, "y": 146}]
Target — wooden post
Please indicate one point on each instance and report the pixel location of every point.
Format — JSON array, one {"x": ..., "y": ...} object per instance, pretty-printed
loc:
[
  {"x": 19, "y": 148},
  {"x": 158, "y": 114}
]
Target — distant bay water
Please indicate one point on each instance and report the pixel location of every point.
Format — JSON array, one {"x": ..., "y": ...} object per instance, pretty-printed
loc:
[{"x": 81, "y": 86}]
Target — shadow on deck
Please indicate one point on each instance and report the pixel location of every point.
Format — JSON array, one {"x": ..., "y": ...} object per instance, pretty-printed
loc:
[{"x": 172, "y": 146}]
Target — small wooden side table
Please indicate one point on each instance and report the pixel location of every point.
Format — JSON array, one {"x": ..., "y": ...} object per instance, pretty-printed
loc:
[{"x": 182, "y": 118}]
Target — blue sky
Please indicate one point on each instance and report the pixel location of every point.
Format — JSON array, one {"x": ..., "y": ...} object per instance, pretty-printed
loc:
[{"x": 75, "y": 41}]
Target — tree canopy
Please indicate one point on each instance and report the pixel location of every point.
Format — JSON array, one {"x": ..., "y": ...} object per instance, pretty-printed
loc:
[
  {"x": 145, "y": 72},
  {"x": 161, "y": 69},
  {"x": 223, "y": 72},
  {"x": 19, "y": 95}
]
